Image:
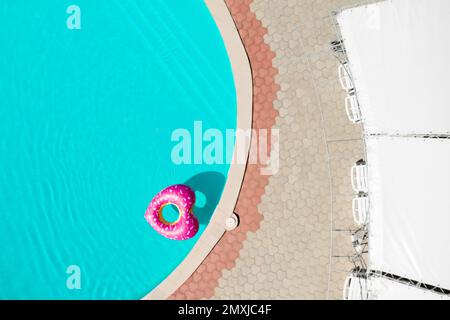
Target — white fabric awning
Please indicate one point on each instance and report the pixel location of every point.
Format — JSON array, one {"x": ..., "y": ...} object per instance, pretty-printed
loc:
[
  {"x": 399, "y": 56},
  {"x": 386, "y": 289},
  {"x": 409, "y": 217}
]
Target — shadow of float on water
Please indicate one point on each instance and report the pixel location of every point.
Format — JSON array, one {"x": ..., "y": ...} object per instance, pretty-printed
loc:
[{"x": 208, "y": 185}]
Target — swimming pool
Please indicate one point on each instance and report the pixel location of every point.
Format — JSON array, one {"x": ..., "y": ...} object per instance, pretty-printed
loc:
[{"x": 86, "y": 118}]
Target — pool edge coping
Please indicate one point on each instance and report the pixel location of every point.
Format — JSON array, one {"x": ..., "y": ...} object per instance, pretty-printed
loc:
[{"x": 243, "y": 83}]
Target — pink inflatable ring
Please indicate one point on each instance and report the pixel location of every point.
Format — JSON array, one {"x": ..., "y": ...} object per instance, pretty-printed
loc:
[{"x": 182, "y": 197}]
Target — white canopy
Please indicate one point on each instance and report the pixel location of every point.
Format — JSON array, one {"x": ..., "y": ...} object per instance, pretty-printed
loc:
[
  {"x": 409, "y": 217},
  {"x": 399, "y": 57},
  {"x": 386, "y": 289}
]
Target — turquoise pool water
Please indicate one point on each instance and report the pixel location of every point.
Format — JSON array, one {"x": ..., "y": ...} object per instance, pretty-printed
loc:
[{"x": 86, "y": 117}]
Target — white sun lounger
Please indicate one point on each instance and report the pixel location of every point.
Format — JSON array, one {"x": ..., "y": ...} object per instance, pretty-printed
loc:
[
  {"x": 358, "y": 176},
  {"x": 360, "y": 209},
  {"x": 352, "y": 108},
  {"x": 344, "y": 77}
]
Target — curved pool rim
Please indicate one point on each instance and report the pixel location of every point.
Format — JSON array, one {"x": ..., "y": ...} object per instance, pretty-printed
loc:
[{"x": 242, "y": 75}]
